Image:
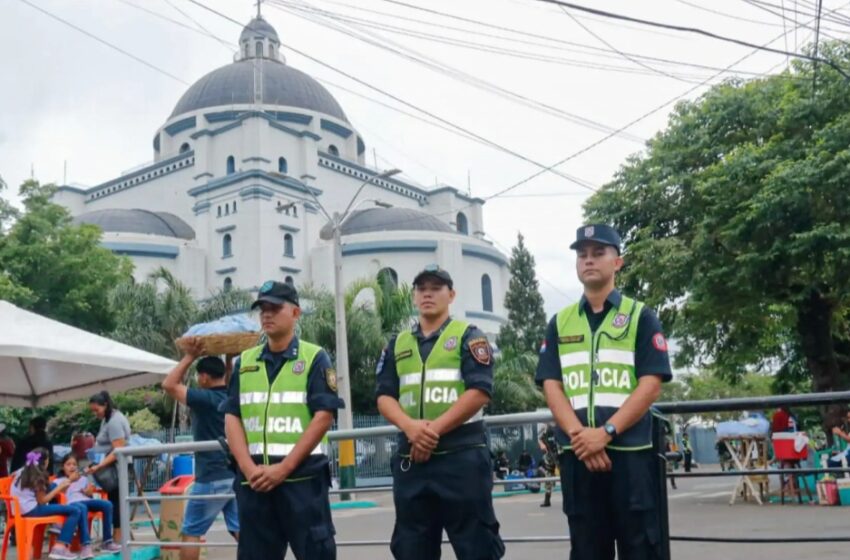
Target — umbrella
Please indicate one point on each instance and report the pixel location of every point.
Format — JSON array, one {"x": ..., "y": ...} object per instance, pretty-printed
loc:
[{"x": 44, "y": 362}]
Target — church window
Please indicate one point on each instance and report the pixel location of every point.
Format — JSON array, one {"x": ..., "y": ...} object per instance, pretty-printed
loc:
[
  {"x": 259, "y": 49},
  {"x": 234, "y": 206},
  {"x": 282, "y": 167},
  {"x": 333, "y": 150},
  {"x": 462, "y": 223},
  {"x": 486, "y": 293},
  {"x": 219, "y": 210},
  {"x": 228, "y": 284},
  {"x": 227, "y": 246},
  {"x": 184, "y": 148},
  {"x": 289, "y": 280},
  {"x": 231, "y": 165},
  {"x": 288, "y": 245}
]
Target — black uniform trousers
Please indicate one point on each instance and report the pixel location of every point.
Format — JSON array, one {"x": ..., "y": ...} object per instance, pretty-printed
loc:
[
  {"x": 451, "y": 492},
  {"x": 295, "y": 514},
  {"x": 617, "y": 506}
]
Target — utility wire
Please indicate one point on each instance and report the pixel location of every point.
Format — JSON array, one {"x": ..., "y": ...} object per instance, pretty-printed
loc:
[
  {"x": 199, "y": 26},
  {"x": 103, "y": 41},
  {"x": 697, "y": 31}
]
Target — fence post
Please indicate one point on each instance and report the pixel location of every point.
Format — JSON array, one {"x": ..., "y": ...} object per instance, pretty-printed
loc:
[
  {"x": 124, "y": 505},
  {"x": 659, "y": 447}
]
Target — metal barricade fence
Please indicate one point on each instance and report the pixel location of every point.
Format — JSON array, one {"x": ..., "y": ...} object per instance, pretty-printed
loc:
[{"x": 505, "y": 430}]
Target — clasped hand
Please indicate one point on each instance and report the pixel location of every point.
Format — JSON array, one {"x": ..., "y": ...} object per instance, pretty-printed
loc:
[
  {"x": 423, "y": 440},
  {"x": 589, "y": 446},
  {"x": 264, "y": 478}
]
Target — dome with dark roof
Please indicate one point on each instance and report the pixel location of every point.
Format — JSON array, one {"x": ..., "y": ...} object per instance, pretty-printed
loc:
[
  {"x": 392, "y": 219},
  {"x": 282, "y": 85},
  {"x": 259, "y": 28},
  {"x": 125, "y": 220}
]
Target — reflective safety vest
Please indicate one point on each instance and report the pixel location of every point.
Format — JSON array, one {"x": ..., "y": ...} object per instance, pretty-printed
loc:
[
  {"x": 428, "y": 390},
  {"x": 598, "y": 369},
  {"x": 274, "y": 417}
]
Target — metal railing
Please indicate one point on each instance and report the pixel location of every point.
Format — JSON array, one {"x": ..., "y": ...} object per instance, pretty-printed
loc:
[{"x": 125, "y": 456}]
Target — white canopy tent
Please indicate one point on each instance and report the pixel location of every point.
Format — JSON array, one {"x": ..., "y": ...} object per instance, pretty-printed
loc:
[{"x": 44, "y": 362}]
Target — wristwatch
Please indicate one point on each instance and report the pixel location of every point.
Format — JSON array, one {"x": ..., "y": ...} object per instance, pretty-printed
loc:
[{"x": 610, "y": 430}]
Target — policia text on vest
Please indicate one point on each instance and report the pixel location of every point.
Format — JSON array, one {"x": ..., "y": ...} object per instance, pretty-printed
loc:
[{"x": 432, "y": 383}]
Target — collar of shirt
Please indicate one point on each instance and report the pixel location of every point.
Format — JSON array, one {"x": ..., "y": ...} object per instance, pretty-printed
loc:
[
  {"x": 290, "y": 353},
  {"x": 614, "y": 299},
  {"x": 420, "y": 336}
]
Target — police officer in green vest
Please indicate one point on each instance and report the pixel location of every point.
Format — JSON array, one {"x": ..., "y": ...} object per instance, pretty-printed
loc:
[
  {"x": 282, "y": 402},
  {"x": 601, "y": 368},
  {"x": 433, "y": 382}
]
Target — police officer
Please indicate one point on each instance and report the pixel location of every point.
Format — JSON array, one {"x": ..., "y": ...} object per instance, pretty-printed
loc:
[
  {"x": 549, "y": 461},
  {"x": 601, "y": 367},
  {"x": 282, "y": 401},
  {"x": 433, "y": 382}
]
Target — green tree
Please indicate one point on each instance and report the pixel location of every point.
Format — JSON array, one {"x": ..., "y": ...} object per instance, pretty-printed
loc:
[
  {"x": 54, "y": 267},
  {"x": 526, "y": 326},
  {"x": 737, "y": 224},
  {"x": 514, "y": 389}
]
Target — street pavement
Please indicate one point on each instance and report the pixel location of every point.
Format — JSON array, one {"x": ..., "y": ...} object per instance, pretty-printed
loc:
[{"x": 700, "y": 507}]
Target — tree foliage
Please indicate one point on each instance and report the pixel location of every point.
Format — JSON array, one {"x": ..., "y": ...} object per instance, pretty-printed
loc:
[
  {"x": 737, "y": 224},
  {"x": 513, "y": 385},
  {"x": 524, "y": 331}
]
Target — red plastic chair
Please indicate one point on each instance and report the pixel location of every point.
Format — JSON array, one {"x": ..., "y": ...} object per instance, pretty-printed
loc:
[
  {"x": 29, "y": 531},
  {"x": 75, "y": 543}
]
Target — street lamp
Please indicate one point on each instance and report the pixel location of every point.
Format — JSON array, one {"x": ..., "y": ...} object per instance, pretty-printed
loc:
[{"x": 344, "y": 418}]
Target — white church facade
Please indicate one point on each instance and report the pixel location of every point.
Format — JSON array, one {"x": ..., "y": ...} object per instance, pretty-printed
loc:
[{"x": 240, "y": 170}]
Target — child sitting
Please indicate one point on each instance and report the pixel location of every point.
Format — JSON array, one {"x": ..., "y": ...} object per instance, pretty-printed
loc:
[
  {"x": 78, "y": 493},
  {"x": 31, "y": 487}
]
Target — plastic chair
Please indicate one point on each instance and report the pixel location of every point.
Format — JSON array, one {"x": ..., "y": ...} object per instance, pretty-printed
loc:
[{"x": 29, "y": 531}]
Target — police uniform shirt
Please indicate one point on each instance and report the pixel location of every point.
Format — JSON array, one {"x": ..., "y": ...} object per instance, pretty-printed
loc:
[
  {"x": 651, "y": 356},
  {"x": 476, "y": 371},
  {"x": 320, "y": 395}
]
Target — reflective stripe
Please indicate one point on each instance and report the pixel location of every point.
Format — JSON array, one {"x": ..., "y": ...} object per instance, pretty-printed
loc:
[
  {"x": 253, "y": 398},
  {"x": 613, "y": 400},
  {"x": 410, "y": 379},
  {"x": 579, "y": 402},
  {"x": 289, "y": 397},
  {"x": 623, "y": 357},
  {"x": 575, "y": 359},
  {"x": 279, "y": 449},
  {"x": 445, "y": 374}
]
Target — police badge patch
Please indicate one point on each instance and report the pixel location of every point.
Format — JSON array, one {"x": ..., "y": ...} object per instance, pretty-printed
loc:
[
  {"x": 480, "y": 350},
  {"x": 299, "y": 366},
  {"x": 330, "y": 378},
  {"x": 451, "y": 343},
  {"x": 267, "y": 285},
  {"x": 620, "y": 321},
  {"x": 589, "y": 231}
]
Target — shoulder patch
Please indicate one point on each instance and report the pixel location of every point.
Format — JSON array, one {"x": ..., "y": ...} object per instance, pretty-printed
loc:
[
  {"x": 659, "y": 342},
  {"x": 248, "y": 369},
  {"x": 402, "y": 355},
  {"x": 480, "y": 350},
  {"x": 571, "y": 339},
  {"x": 330, "y": 378}
]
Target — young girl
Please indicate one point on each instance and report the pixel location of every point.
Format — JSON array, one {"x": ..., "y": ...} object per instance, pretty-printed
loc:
[
  {"x": 79, "y": 493},
  {"x": 32, "y": 488}
]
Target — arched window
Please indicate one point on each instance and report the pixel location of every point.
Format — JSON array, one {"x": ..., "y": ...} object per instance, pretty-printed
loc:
[
  {"x": 231, "y": 165},
  {"x": 289, "y": 280},
  {"x": 486, "y": 293},
  {"x": 333, "y": 150},
  {"x": 259, "y": 46},
  {"x": 234, "y": 206},
  {"x": 184, "y": 148},
  {"x": 462, "y": 223},
  {"x": 227, "y": 209},
  {"x": 228, "y": 284},
  {"x": 294, "y": 211},
  {"x": 219, "y": 210},
  {"x": 226, "y": 246},
  {"x": 288, "y": 245},
  {"x": 282, "y": 167},
  {"x": 389, "y": 276}
]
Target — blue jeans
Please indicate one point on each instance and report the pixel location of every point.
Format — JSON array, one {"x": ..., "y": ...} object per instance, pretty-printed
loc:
[
  {"x": 102, "y": 506},
  {"x": 74, "y": 521},
  {"x": 200, "y": 514}
]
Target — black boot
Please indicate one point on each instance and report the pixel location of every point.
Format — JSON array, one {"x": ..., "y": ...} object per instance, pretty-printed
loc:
[{"x": 547, "y": 500}]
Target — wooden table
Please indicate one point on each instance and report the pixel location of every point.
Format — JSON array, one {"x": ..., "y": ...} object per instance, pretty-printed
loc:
[{"x": 749, "y": 453}]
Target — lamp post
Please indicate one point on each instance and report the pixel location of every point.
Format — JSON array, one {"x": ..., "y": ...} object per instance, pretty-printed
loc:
[{"x": 344, "y": 420}]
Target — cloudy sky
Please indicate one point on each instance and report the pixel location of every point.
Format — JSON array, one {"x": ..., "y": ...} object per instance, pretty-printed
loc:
[{"x": 540, "y": 83}]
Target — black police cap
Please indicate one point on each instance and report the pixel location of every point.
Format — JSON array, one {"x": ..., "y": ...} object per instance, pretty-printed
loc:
[
  {"x": 276, "y": 293},
  {"x": 599, "y": 233},
  {"x": 434, "y": 271}
]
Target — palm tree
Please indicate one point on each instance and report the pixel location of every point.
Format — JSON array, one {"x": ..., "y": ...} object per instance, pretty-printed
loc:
[{"x": 514, "y": 389}]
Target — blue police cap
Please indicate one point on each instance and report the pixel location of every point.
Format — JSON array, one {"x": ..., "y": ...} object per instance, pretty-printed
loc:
[
  {"x": 599, "y": 233},
  {"x": 276, "y": 293}
]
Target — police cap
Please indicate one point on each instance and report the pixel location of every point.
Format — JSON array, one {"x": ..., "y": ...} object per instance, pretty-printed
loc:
[
  {"x": 434, "y": 272},
  {"x": 276, "y": 293},
  {"x": 599, "y": 233}
]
